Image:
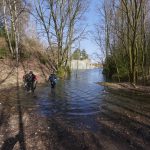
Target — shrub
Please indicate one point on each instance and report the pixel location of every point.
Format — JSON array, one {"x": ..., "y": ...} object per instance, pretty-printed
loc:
[
  {"x": 63, "y": 72},
  {"x": 109, "y": 68}
]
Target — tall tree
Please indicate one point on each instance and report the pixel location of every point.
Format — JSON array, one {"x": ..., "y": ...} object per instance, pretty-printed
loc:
[
  {"x": 126, "y": 25},
  {"x": 59, "y": 21},
  {"x": 14, "y": 18}
]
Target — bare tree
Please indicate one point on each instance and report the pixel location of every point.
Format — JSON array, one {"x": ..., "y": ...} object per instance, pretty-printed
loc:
[
  {"x": 59, "y": 21},
  {"x": 14, "y": 18}
]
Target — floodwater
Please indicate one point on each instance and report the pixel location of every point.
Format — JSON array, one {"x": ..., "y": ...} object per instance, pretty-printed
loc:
[{"x": 78, "y": 114}]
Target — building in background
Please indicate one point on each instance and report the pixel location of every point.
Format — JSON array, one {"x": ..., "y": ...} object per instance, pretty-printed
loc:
[{"x": 81, "y": 64}]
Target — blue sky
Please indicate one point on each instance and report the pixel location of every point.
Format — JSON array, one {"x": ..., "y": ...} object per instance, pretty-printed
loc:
[{"x": 91, "y": 19}]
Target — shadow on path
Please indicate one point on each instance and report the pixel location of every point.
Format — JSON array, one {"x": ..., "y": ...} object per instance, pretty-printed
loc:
[{"x": 20, "y": 137}]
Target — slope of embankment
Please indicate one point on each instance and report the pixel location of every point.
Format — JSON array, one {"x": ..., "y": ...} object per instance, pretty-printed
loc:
[{"x": 8, "y": 72}]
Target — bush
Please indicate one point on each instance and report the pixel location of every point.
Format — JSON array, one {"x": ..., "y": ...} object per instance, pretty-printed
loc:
[
  {"x": 42, "y": 58},
  {"x": 63, "y": 72},
  {"x": 25, "y": 55},
  {"x": 109, "y": 68}
]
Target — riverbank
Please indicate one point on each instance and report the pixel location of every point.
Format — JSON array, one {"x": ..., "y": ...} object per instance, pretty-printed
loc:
[
  {"x": 8, "y": 72},
  {"x": 77, "y": 115},
  {"x": 127, "y": 88}
]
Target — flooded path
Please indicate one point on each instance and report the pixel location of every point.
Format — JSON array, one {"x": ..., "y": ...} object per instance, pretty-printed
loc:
[{"x": 77, "y": 115}]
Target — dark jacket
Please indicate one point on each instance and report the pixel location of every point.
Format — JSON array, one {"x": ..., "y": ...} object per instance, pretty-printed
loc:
[
  {"x": 52, "y": 78},
  {"x": 29, "y": 78}
]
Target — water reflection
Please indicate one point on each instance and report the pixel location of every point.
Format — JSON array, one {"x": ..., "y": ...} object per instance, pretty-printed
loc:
[
  {"x": 87, "y": 106},
  {"x": 80, "y": 114},
  {"x": 77, "y": 96}
]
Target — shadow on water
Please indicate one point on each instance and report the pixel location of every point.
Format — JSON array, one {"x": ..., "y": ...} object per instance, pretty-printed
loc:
[
  {"x": 113, "y": 120},
  {"x": 80, "y": 115},
  {"x": 125, "y": 119},
  {"x": 70, "y": 141},
  {"x": 61, "y": 136}
]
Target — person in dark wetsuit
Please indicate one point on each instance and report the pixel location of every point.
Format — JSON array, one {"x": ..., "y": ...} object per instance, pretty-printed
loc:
[
  {"x": 30, "y": 81},
  {"x": 52, "y": 79}
]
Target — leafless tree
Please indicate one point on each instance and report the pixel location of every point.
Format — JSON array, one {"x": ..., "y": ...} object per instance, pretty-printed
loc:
[
  {"x": 59, "y": 22},
  {"x": 14, "y": 18}
]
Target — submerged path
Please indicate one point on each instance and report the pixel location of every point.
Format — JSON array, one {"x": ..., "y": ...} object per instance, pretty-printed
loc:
[{"x": 77, "y": 115}]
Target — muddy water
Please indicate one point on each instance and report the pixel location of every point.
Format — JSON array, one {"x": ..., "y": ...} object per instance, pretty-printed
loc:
[{"x": 77, "y": 115}]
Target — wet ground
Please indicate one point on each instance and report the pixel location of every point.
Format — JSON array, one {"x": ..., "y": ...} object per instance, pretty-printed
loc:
[{"x": 77, "y": 115}]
